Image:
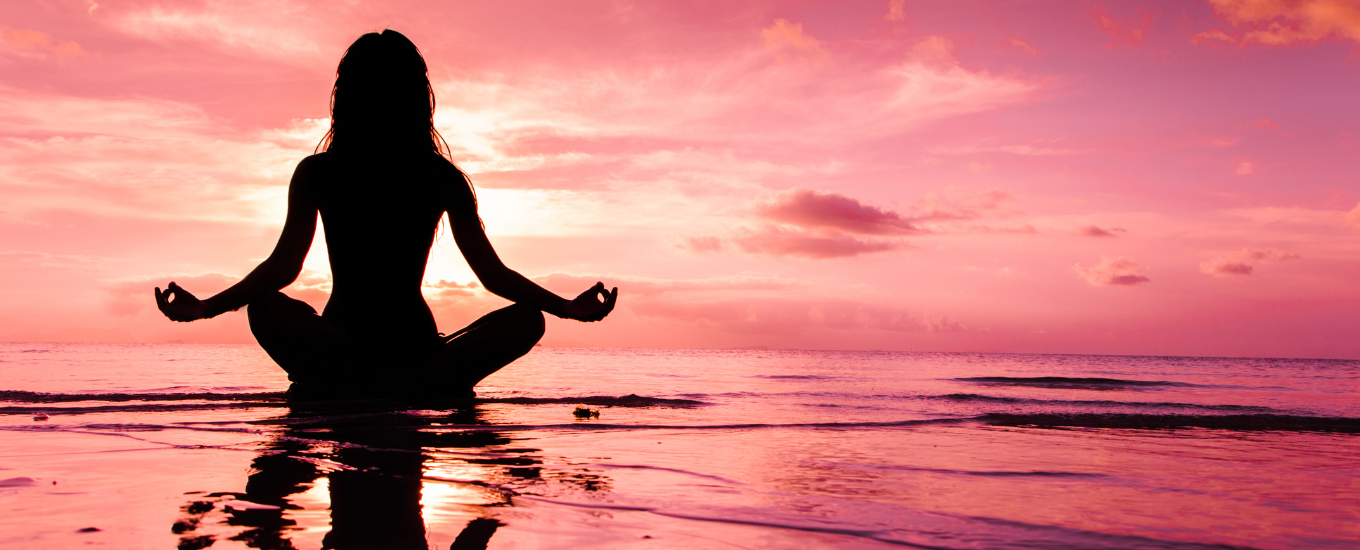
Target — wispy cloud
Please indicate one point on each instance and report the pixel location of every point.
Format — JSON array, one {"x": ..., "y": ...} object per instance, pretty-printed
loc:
[
  {"x": 1236, "y": 263},
  {"x": 807, "y": 223},
  {"x": 790, "y": 43},
  {"x": 32, "y": 43},
  {"x": 1284, "y": 22},
  {"x": 782, "y": 241},
  {"x": 897, "y": 10},
  {"x": 239, "y": 26},
  {"x": 1096, "y": 231},
  {"x": 1123, "y": 31},
  {"x": 816, "y": 210},
  {"x": 1112, "y": 271},
  {"x": 1020, "y": 45}
]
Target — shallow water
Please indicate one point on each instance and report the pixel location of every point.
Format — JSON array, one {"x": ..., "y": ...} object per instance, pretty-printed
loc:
[{"x": 160, "y": 446}]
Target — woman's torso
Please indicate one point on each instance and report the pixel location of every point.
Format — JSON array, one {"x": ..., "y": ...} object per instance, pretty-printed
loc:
[{"x": 380, "y": 214}]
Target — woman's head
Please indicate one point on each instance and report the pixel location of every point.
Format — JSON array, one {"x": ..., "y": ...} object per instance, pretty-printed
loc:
[{"x": 382, "y": 98}]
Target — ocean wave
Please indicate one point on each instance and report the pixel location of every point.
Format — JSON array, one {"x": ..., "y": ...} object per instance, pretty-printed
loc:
[
  {"x": 157, "y": 402},
  {"x": 978, "y": 473},
  {"x": 1234, "y": 422},
  {"x": 16, "y": 396},
  {"x": 972, "y": 397},
  {"x": 630, "y": 400},
  {"x": 178, "y": 407},
  {"x": 801, "y": 377},
  {"x": 1071, "y": 383},
  {"x": 932, "y": 530}
]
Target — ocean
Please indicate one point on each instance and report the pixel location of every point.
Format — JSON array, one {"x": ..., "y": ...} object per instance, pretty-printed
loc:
[{"x": 195, "y": 446}]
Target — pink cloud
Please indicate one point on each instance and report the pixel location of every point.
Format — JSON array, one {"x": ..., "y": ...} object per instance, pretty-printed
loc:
[
  {"x": 238, "y": 27},
  {"x": 1212, "y": 37},
  {"x": 815, "y": 225},
  {"x": 1235, "y": 263},
  {"x": 1112, "y": 271},
  {"x": 25, "y": 42},
  {"x": 1226, "y": 269},
  {"x": 790, "y": 42},
  {"x": 815, "y": 209},
  {"x": 936, "y": 51},
  {"x": 821, "y": 225},
  {"x": 956, "y": 205},
  {"x": 1285, "y": 22},
  {"x": 25, "y": 258},
  {"x": 1353, "y": 217},
  {"x": 442, "y": 284},
  {"x": 897, "y": 10},
  {"x": 1124, "y": 31},
  {"x": 797, "y": 317},
  {"x": 779, "y": 241},
  {"x": 646, "y": 286},
  {"x": 701, "y": 243},
  {"x": 1021, "y": 45},
  {"x": 1094, "y": 231},
  {"x": 1246, "y": 168}
]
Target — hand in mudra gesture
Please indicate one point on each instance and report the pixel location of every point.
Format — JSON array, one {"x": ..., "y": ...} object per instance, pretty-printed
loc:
[
  {"x": 179, "y": 305},
  {"x": 592, "y": 305}
]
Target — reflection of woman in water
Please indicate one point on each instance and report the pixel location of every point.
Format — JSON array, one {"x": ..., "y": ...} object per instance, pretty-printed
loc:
[{"x": 381, "y": 186}]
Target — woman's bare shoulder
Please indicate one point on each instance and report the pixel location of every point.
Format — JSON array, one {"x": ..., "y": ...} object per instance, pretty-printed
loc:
[
  {"x": 313, "y": 165},
  {"x": 454, "y": 186},
  {"x": 443, "y": 167}
]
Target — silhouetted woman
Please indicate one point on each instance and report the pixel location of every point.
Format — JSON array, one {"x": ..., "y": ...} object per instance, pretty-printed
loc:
[{"x": 381, "y": 186}]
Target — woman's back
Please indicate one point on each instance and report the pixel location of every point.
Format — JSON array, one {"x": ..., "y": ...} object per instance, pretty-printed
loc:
[{"x": 380, "y": 213}]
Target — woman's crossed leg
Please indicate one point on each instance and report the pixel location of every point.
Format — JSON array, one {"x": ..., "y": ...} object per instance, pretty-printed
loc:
[{"x": 324, "y": 361}]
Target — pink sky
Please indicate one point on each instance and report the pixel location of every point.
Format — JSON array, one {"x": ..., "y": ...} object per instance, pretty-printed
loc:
[{"x": 1070, "y": 177}]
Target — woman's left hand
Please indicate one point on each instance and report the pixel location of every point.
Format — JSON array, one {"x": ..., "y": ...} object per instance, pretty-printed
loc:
[
  {"x": 588, "y": 308},
  {"x": 179, "y": 305}
]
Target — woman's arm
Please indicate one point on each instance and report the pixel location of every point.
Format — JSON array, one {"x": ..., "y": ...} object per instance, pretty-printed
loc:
[
  {"x": 277, "y": 271},
  {"x": 592, "y": 305}
]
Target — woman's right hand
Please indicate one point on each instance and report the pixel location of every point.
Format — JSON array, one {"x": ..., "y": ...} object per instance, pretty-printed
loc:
[
  {"x": 588, "y": 308},
  {"x": 179, "y": 305}
]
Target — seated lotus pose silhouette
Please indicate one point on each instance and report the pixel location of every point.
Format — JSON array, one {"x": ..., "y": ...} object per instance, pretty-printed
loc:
[{"x": 381, "y": 184}]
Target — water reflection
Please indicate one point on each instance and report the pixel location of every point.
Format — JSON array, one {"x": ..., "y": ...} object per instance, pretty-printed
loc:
[{"x": 383, "y": 476}]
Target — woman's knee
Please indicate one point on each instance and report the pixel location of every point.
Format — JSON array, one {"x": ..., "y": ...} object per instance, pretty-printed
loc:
[
  {"x": 516, "y": 325},
  {"x": 528, "y": 319}
]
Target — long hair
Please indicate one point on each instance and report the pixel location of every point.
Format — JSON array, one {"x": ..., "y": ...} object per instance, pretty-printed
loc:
[{"x": 382, "y": 100}]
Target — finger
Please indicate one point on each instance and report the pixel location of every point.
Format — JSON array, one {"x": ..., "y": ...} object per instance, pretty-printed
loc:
[
  {"x": 609, "y": 302},
  {"x": 607, "y": 306},
  {"x": 163, "y": 304}
]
